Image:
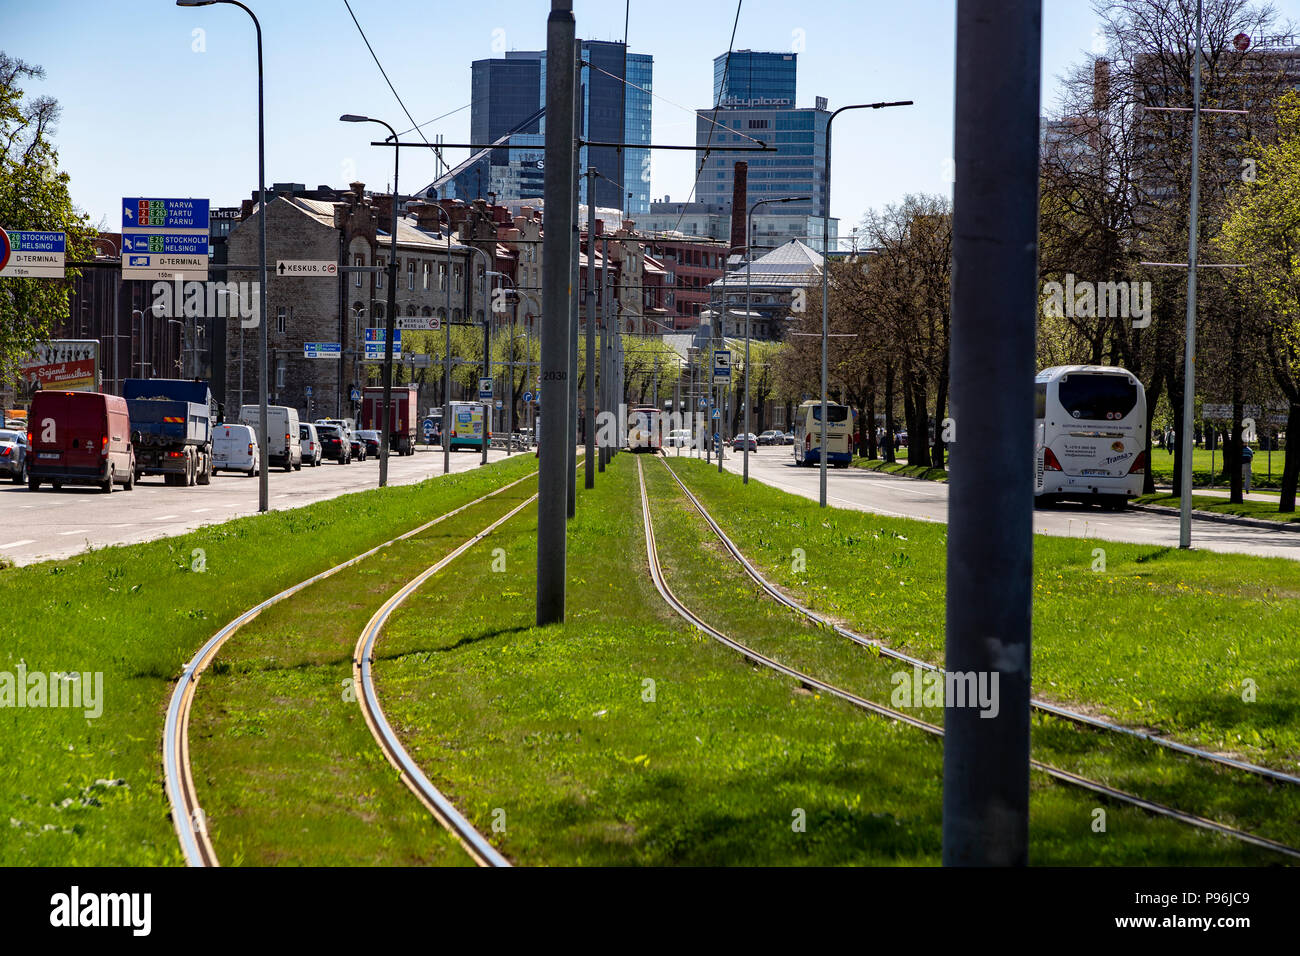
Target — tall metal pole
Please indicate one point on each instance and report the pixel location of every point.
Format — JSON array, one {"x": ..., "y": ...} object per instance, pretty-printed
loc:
[
  {"x": 603, "y": 452},
  {"x": 389, "y": 325},
  {"x": 487, "y": 342},
  {"x": 590, "y": 444},
  {"x": 556, "y": 275},
  {"x": 446, "y": 359},
  {"x": 1185, "y": 443},
  {"x": 990, "y": 532},
  {"x": 571, "y": 450}
]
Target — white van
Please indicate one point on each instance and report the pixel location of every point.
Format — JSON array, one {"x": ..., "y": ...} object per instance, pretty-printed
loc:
[
  {"x": 283, "y": 445},
  {"x": 234, "y": 448}
]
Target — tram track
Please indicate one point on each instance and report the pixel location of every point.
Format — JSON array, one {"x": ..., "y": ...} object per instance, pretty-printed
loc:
[
  {"x": 1063, "y": 776},
  {"x": 187, "y": 813}
]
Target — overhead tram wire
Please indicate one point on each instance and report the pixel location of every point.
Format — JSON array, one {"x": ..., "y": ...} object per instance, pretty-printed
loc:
[
  {"x": 726, "y": 71},
  {"x": 437, "y": 151},
  {"x": 642, "y": 89}
]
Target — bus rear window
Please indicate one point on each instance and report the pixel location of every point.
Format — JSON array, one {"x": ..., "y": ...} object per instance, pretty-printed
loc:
[
  {"x": 834, "y": 413},
  {"x": 1097, "y": 397},
  {"x": 1040, "y": 400}
]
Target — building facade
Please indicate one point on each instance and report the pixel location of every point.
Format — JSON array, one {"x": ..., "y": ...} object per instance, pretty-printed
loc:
[{"x": 754, "y": 78}]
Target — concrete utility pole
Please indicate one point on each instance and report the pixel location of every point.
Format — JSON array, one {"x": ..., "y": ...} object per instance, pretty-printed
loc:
[
  {"x": 1185, "y": 443},
  {"x": 556, "y": 276},
  {"x": 603, "y": 452},
  {"x": 590, "y": 444},
  {"x": 990, "y": 512},
  {"x": 571, "y": 452}
]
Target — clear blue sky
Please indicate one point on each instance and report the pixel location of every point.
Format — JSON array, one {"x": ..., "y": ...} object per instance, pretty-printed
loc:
[{"x": 152, "y": 108}]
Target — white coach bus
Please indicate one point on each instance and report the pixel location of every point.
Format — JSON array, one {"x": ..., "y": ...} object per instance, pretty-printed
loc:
[{"x": 1090, "y": 436}]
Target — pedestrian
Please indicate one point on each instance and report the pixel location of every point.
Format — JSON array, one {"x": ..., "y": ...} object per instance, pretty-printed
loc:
[
  {"x": 887, "y": 444},
  {"x": 1247, "y": 454}
]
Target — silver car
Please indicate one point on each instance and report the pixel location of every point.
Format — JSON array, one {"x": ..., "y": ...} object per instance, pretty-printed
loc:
[
  {"x": 312, "y": 453},
  {"x": 13, "y": 456}
]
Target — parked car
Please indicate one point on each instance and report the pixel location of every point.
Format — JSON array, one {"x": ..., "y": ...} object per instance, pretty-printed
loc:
[
  {"x": 771, "y": 437},
  {"x": 79, "y": 438},
  {"x": 234, "y": 448},
  {"x": 678, "y": 438},
  {"x": 787, "y": 438},
  {"x": 371, "y": 438},
  {"x": 13, "y": 456},
  {"x": 17, "y": 424},
  {"x": 740, "y": 441},
  {"x": 334, "y": 443},
  {"x": 309, "y": 439},
  {"x": 358, "y": 445}
]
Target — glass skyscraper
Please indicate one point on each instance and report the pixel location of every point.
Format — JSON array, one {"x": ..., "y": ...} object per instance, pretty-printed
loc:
[
  {"x": 611, "y": 112},
  {"x": 750, "y": 78}
]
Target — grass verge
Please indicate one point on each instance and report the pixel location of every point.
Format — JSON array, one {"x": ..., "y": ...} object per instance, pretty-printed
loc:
[
  {"x": 87, "y": 792},
  {"x": 1200, "y": 646}
]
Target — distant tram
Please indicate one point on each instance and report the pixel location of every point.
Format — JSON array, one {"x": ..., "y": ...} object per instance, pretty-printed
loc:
[{"x": 645, "y": 429}]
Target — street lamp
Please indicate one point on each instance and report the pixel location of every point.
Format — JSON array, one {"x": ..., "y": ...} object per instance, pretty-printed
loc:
[
  {"x": 749, "y": 254},
  {"x": 117, "y": 286},
  {"x": 263, "y": 486},
  {"x": 826, "y": 228},
  {"x": 389, "y": 319}
]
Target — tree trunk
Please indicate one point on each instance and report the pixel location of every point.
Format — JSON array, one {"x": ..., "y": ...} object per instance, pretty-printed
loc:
[
  {"x": 890, "y": 451},
  {"x": 1176, "y": 403},
  {"x": 1291, "y": 470},
  {"x": 940, "y": 403},
  {"x": 869, "y": 426}
]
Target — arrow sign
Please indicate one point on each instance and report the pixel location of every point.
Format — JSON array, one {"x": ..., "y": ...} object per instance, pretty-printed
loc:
[{"x": 306, "y": 267}]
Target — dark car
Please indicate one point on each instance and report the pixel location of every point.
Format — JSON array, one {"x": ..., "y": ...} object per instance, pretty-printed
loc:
[
  {"x": 334, "y": 444},
  {"x": 370, "y": 437},
  {"x": 358, "y": 446}
]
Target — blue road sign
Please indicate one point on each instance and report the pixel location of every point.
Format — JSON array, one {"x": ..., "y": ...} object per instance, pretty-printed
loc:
[
  {"x": 308, "y": 391},
  {"x": 427, "y": 427},
  {"x": 322, "y": 350},
  {"x": 143, "y": 213},
  {"x": 721, "y": 366},
  {"x": 528, "y": 397},
  {"x": 166, "y": 243},
  {"x": 703, "y": 403},
  {"x": 715, "y": 413},
  {"x": 375, "y": 339},
  {"x": 22, "y": 241},
  {"x": 484, "y": 388},
  {"x": 355, "y": 394}
]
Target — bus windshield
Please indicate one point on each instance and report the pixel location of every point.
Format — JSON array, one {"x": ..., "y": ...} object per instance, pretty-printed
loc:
[
  {"x": 1097, "y": 397},
  {"x": 834, "y": 413}
]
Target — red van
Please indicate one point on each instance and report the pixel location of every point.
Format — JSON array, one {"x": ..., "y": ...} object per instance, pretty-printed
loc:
[{"x": 79, "y": 438}]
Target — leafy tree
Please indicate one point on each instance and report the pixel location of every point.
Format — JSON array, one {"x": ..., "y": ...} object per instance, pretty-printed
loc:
[{"x": 33, "y": 195}]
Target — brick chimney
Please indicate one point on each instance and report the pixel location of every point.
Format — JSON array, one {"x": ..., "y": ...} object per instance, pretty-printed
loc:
[{"x": 739, "y": 207}]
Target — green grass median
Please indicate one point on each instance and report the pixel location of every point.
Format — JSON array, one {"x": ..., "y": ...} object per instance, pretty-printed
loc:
[
  {"x": 85, "y": 792},
  {"x": 1264, "y": 510}
]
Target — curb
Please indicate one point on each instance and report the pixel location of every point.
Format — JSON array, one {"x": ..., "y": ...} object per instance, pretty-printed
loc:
[
  {"x": 1222, "y": 519},
  {"x": 890, "y": 474}
]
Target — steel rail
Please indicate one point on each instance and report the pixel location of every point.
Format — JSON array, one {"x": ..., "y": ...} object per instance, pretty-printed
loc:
[
  {"x": 477, "y": 845},
  {"x": 187, "y": 813},
  {"x": 1038, "y": 704},
  {"x": 1119, "y": 796}
]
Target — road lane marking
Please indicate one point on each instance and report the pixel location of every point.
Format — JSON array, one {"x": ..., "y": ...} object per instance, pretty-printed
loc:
[
  {"x": 77, "y": 531},
  {"x": 199, "y": 511},
  {"x": 165, "y": 517},
  {"x": 16, "y": 544}
]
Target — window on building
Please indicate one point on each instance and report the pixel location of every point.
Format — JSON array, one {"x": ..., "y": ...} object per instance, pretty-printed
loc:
[
  {"x": 279, "y": 374},
  {"x": 410, "y": 275},
  {"x": 458, "y": 272},
  {"x": 280, "y": 316},
  {"x": 410, "y": 311},
  {"x": 359, "y": 262},
  {"x": 442, "y": 278},
  {"x": 426, "y": 277},
  {"x": 379, "y": 313},
  {"x": 455, "y": 315},
  {"x": 379, "y": 276}
]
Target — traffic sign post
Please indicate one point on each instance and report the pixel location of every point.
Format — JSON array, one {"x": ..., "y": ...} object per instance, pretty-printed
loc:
[
  {"x": 485, "y": 388},
  {"x": 355, "y": 394},
  {"x": 164, "y": 239},
  {"x": 419, "y": 323},
  {"x": 32, "y": 255}
]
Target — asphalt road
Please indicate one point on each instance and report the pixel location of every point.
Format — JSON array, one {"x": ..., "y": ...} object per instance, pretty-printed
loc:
[
  {"x": 56, "y": 524},
  {"x": 928, "y": 501}
]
